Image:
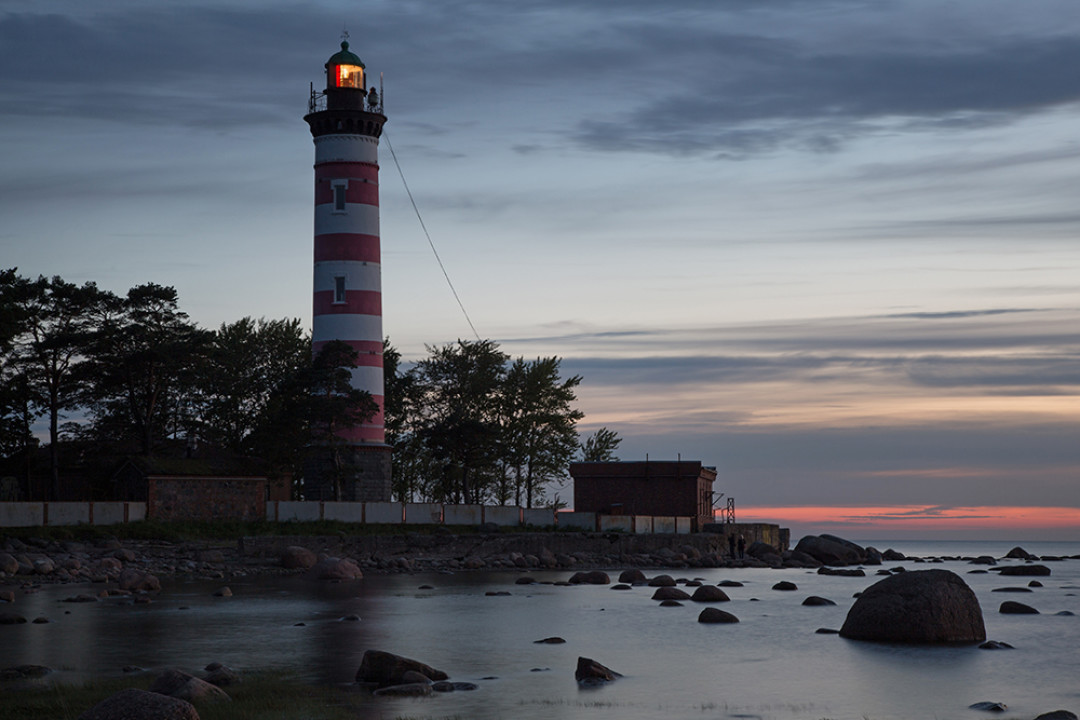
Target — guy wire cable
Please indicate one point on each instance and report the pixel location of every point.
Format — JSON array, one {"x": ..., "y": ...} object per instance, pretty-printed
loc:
[{"x": 428, "y": 236}]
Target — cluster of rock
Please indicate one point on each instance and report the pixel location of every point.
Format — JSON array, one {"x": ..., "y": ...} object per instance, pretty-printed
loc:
[
  {"x": 172, "y": 696},
  {"x": 38, "y": 560}
]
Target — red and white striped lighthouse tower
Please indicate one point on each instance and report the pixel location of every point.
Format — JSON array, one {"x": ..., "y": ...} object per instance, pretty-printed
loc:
[{"x": 346, "y": 121}]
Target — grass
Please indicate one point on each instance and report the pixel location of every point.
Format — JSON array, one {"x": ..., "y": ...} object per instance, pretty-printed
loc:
[{"x": 262, "y": 696}]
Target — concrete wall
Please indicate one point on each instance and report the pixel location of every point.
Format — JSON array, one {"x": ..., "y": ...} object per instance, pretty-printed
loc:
[
  {"x": 667, "y": 525},
  {"x": 617, "y": 523},
  {"x": 384, "y": 513},
  {"x": 206, "y": 499},
  {"x": 643, "y": 523},
  {"x": 684, "y": 526},
  {"x": 69, "y": 513},
  {"x": 423, "y": 514},
  {"x": 538, "y": 517},
  {"x": 463, "y": 514},
  {"x": 39, "y": 514},
  {"x": 341, "y": 511},
  {"x": 290, "y": 511},
  {"x": 501, "y": 515},
  {"x": 579, "y": 520}
]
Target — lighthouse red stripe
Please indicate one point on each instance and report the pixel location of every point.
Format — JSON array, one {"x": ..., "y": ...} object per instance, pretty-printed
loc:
[
  {"x": 357, "y": 302},
  {"x": 357, "y": 192},
  {"x": 368, "y": 352},
  {"x": 343, "y": 170},
  {"x": 347, "y": 246}
]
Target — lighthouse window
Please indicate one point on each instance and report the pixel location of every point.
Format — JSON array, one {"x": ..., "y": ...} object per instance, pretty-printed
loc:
[
  {"x": 350, "y": 76},
  {"x": 339, "y": 197},
  {"x": 339, "y": 288}
]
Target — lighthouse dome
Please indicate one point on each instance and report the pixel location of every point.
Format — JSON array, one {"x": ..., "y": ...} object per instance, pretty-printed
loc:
[
  {"x": 345, "y": 57},
  {"x": 344, "y": 69}
]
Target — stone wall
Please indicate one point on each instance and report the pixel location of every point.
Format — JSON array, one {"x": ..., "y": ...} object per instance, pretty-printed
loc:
[{"x": 203, "y": 499}]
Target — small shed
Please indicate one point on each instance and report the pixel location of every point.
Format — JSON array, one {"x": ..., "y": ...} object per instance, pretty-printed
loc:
[
  {"x": 192, "y": 489},
  {"x": 679, "y": 488}
]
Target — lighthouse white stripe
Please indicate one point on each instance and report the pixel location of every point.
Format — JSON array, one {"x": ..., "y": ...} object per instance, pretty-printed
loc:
[
  {"x": 357, "y": 218},
  {"x": 368, "y": 378},
  {"x": 358, "y": 275},
  {"x": 346, "y": 327},
  {"x": 346, "y": 148}
]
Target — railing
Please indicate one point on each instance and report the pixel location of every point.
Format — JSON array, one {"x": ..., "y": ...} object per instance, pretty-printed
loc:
[{"x": 317, "y": 103}]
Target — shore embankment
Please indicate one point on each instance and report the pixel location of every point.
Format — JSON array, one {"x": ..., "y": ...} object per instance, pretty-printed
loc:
[{"x": 34, "y": 559}]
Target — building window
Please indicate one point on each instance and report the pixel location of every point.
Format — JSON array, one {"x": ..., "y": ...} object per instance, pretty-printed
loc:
[
  {"x": 339, "y": 195},
  {"x": 339, "y": 289}
]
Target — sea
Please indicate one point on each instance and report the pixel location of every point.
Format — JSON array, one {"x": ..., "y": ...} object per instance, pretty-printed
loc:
[{"x": 482, "y": 628}]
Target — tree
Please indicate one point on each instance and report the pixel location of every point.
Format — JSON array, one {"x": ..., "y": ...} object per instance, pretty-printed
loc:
[
  {"x": 458, "y": 386},
  {"x": 57, "y": 322},
  {"x": 539, "y": 426},
  {"x": 600, "y": 446},
  {"x": 145, "y": 365},
  {"x": 247, "y": 364}
]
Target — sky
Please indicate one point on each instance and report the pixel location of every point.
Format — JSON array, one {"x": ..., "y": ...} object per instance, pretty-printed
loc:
[{"x": 831, "y": 248}]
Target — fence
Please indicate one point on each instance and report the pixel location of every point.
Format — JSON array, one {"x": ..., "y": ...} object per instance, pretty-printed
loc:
[{"x": 40, "y": 514}]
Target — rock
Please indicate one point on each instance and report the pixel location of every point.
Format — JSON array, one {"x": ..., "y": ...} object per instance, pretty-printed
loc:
[
  {"x": 1024, "y": 570},
  {"x": 213, "y": 557},
  {"x": 591, "y": 672},
  {"x": 223, "y": 592},
  {"x": 410, "y": 677},
  {"x": 525, "y": 580},
  {"x": 765, "y": 553},
  {"x": 670, "y": 603},
  {"x": 716, "y": 615},
  {"x": 923, "y": 606},
  {"x": 296, "y": 557},
  {"x": 662, "y": 581},
  {"x": 222, "y": 676},
  {"x": 81, "y": 598},
  {"x": 729, "y": 583},
  {"x": 592, "y": 577},
  {"x": 852, "y": 572},
  {"x": 178, "y": 684},
  {"x": 386, "y": 669},
  {"x": 8, "y": 564},
  {"x": 989, "y": 706},
  {"x": 40, "y": 620},
  {"x": 709, "y": 593},
  {"x": 817, "y": 601},
  {"x": 124, "y": 555},
  {"x": 1019, "y": 553},
  {"x": 418, "y": 689},
  {"x": 445, "y": 686},
  {"x": 827, "y": 631},
  {"x": 1057, "y": 715},
  {"x": 1035, "y": 584},
  {"x": 622, "y": 586},
  {"x": 1012, "y": 590},
  {"x": 995, "y": 645},
  {"x": 1065, "y": 613},
  {"x": 138, "y": 581},
  {"x": 984, "y": 560},
  {"x": 785, "y": 586},
  {"x": 10, "y": 618},
  {"x": 1011, "y": 607},
  {"x": 134, "y": 704},
  {"x": 553, "y": 640},
  {"x": 632, "y": 576},
  {"x": 831, "y": 550},
  {"x": 333, "y": 568},
  {"x": 873, "y": 556},
  {"x": 22, "y": 672},
  {"x": 893, "y": 556},
  {"x": 8, "y": 596},
  {"x": 670, "y": 593}
]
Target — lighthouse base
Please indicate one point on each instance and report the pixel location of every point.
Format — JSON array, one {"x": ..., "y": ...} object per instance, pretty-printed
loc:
[{"x": 351, "y": 473}]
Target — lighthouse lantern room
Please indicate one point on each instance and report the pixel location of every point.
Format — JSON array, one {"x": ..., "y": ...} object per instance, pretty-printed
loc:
[{"x": 346, "y": 121}]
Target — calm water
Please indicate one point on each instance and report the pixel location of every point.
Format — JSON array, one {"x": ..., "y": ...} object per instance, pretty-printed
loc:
[{"x": 770, "y": 665}]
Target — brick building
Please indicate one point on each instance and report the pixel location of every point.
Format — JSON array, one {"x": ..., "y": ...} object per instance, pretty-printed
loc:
[{"x": 679, "y": 488}]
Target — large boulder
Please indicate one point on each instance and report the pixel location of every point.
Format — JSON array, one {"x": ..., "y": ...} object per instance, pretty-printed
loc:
[
  {"x": 132, "y": 704},
  {"x": 831, "y": 550},
  {"x": 1024, "y": 570},
  {"x": 709, "y": 593},
  {"x": 1019, "y": 553},
  {"x": 716, "y": 615},
  {"x": 670, "y": 593},
  {"x": 590, "y": 672},
  {"x": 632, "y": 576},
  {"x": 386, "y": 669},
  {"x": 138, "y": 581},
  {"x": 333, "y": 568},
  {"x": 8, "y": 563},
  {"x": 923, "y": 607},
  {"x": 296, "y": 557},
  {"x": 178, "y": 684},
  {"x": 591, "y": 577}
]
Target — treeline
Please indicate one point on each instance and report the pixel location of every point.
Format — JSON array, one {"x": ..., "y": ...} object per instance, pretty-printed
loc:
[{"x": 114, "y": 376}]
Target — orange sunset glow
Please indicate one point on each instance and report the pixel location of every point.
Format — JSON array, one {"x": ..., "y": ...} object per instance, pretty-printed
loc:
[{"x": 923, "y": 519}]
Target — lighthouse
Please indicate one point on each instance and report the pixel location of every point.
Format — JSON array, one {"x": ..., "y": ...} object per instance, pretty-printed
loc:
[{"x": 346, "y": 120}]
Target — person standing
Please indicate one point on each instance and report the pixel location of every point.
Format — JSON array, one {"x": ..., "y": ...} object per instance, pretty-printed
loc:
[{"x": 742, "y": 547}]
